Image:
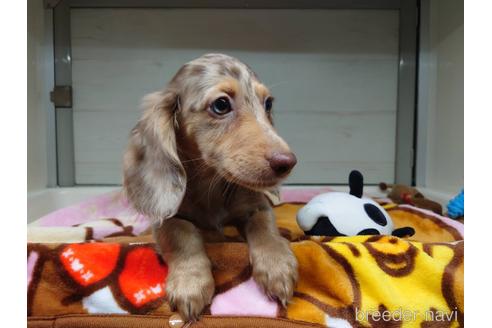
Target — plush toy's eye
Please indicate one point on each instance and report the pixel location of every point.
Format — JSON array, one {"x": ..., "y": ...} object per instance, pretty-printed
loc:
[
  {"x": 375, "y": 214},
  {"x": 221, "y": 106},
  {"x": 268, "y": 104}
]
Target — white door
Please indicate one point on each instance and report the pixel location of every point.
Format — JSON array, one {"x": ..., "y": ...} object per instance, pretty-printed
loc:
[{"x": 333, "y": 74}]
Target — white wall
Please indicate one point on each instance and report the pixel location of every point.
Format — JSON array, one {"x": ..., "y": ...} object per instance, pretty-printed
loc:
[
  {"x": 443, "y": 160},
  {"x": 445, "y": 136},
  {"x": 39, "y": 71},
  {"x": 333, "y": 74}
]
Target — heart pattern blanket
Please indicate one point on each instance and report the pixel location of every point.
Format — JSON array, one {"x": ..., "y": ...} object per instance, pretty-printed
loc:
[{"x": 113, "y": 270}]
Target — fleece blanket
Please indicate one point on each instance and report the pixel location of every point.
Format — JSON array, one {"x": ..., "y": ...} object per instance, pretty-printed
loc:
[{"x": 363, "y": 281}]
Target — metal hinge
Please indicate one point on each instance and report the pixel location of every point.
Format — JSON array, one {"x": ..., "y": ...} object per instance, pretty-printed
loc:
[{"x": 61, "y": 96}]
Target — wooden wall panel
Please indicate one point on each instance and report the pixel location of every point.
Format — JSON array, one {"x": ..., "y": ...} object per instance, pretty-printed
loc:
[{"x": 333, "y": 73}]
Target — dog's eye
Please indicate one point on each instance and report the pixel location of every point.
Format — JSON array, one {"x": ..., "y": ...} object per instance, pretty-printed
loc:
[
  {"x": 221, "y": 106},
  {"x": 268, "y": 104}
]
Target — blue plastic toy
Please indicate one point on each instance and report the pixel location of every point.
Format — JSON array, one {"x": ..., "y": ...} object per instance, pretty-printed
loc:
[{"x": 456, "y": 206}]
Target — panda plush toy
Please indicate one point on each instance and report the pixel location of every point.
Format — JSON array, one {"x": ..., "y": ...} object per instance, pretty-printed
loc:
[{"x": 342, "y": 214}]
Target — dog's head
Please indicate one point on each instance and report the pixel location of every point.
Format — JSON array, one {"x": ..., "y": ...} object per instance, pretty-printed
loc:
[{"x": 214, "y": 110}]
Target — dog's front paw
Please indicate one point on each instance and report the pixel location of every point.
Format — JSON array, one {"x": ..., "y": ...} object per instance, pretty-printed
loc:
[
  {"x": 189, "y": 290},
  {"x": 275, "y": 270}
]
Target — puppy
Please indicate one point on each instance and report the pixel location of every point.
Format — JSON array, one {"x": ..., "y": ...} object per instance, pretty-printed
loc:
[{"x": 201, "y": 157}]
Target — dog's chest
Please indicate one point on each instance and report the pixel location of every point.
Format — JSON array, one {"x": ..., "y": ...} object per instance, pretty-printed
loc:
[
  {"x": 208, "y": 212},
  {"x": 212, "y": 204}
]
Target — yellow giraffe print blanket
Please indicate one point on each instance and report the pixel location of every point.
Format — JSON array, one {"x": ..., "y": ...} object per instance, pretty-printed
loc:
[{"x": 362, "y": 281}]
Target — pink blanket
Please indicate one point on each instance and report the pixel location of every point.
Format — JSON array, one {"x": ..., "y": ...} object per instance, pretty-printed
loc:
[{"x": 111, "y": 214}]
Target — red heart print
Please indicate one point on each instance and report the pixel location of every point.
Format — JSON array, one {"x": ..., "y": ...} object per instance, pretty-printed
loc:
[
  {"x": 89, "y": 263},
  {"x": 143, "y": 277}
]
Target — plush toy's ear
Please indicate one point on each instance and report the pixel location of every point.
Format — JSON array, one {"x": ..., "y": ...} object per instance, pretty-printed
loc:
[
  {"x": 356, "y": 183},
  {"x": 403, "y": 232}
]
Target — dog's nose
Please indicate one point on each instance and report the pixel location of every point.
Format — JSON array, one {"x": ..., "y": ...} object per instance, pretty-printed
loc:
[{"x": 282, "y": 163}]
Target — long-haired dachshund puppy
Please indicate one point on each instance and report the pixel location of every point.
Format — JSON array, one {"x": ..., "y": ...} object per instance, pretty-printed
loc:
[{"x": 201, "y": 157}]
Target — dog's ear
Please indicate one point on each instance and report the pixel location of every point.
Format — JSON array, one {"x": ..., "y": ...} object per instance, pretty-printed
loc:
[{"x": 154, "y": 178}]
